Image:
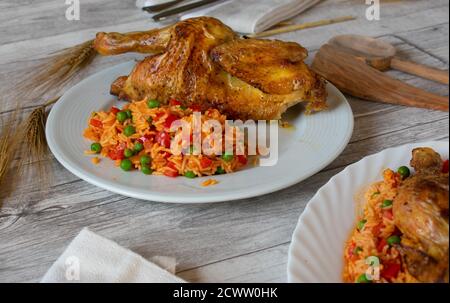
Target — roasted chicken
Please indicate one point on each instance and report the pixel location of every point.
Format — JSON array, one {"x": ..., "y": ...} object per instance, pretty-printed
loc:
[
  {"x": 202, "y": 61},
  {"x": 421, "y": 213}
]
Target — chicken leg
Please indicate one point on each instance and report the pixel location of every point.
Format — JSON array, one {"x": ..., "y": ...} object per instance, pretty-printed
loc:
[
  {"x": 421, "y": 214},
  {"x": 202, "y": 61}
]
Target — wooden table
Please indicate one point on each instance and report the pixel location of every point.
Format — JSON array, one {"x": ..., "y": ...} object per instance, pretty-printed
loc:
[{"x": 241, "y": 241}]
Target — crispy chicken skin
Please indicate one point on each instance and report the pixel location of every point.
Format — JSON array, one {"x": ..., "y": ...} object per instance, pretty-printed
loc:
[
  {"x": 274, "y": 67},
  {"x": 203, "y": 61},
  {"x": 421, "y": 213}
]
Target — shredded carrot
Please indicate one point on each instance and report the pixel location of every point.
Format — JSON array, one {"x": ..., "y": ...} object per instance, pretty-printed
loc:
[
  {"x": 95, "y": 160},
  {"x": 210, "y": 182}
]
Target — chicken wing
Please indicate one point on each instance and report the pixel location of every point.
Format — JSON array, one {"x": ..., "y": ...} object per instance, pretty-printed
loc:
[{"x": 202, "y": 61}]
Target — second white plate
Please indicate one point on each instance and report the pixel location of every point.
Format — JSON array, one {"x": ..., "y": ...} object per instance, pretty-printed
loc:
[
  {"x": 312, "y": 144},
  {"x": 316, "y": 253}
]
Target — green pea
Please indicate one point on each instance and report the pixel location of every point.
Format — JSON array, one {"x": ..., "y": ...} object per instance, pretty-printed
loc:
[
  {"x": 128, "y": 113},
  {"x": 182, "y": 107},
  {"x": 190, "y": 175},
  {"x": 138, "y": 146},
  {"x": 128, "y": 153},
  {"x": 126, "y": 165},
  {"x": 96, "y": 147},
  {"x": 145, "y": 160},
  {"x": 363, "y": 279},
  {"x": 122, "y": 116},
  {"x": 227, "y": 157},
  {"x": 129, "y": 130},
  {"x": 386, "y": 203},
  {"x": 361, "y": 224},
  {"x": 220, "y": 171},
  {"x": 357, "y": 250},
  {"x": 404, "y": 172},
  {"x": 152, "y": 103},
  {"x": 393, "y": 240},
  {"x": 150, "y": 120},
  {"x": 146, "y": 170}
]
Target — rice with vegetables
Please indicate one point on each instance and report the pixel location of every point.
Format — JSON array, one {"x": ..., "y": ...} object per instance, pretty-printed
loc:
[
  {"x": 375, "y": 236},
  {"x": 138, "y": 136}
]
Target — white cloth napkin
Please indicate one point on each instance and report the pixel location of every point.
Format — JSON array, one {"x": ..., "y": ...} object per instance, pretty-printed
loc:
[
  {"x": 254, "y": 16},
  {"x": 143, "y": 3},
  {"x": 91, "y": 258},
  {"x": 248, "y": 16}
]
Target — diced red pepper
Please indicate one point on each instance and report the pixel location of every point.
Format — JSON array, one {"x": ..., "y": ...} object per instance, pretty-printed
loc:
[
  {"x": 96, "y": 123},
  {"x": 163, "y": 139},
  {"x": 381, "y": 244},
  {"x": 115, "y": 110},
  {"x": 351, "y": 249},
  {"x": 242, "y": 159},
  {"x": 169, "y": 120},
  {"x": 116, "y": 154},
  {"x": 388, "y": 214},
  {"x": 377, "y": 229},
  {"x": 174, "y": 102},
  {"x": 390, "y": 270},
  {"x": 445, "y": 167},
  {"x": 205, "y": 162},
  {"x": 172, "y": 171},
  {"x": 172, "y": 166}
]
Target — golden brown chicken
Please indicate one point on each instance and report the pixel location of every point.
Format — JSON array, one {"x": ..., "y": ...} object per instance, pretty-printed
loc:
[
  {"x": 202, "y": 61},
  {"x": 421, "y": 213}
]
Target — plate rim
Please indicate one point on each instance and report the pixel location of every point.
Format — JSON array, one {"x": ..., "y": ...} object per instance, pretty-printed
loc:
[
  {"x": 158, "y": 197},
  {"x": 307, "y": 210}
]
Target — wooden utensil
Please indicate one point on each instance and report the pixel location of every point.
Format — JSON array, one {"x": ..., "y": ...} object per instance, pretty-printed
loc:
[
  {"x": 381, "y": 55},
  {"x": 297, "y": 27},
  {"x": 355, "y": 77}
]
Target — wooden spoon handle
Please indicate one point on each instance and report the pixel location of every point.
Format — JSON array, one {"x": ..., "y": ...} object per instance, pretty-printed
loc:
[
  {"x": 356, "y": 78},
  {"x": 420, "y": 70}
]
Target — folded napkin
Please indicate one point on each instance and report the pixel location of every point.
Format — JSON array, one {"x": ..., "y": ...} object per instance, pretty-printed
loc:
[
  {"x": 249, "y": 16},
  {"x": 91, "y": 258},
  {"x": 254, "y": 16},
  {"x": 143, "y": 3}
]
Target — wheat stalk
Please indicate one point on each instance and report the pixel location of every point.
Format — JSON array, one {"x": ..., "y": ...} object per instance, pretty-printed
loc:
[
  {"x": 8, "y": 148},
  {"x": 27, "y": 138},
  {"x": 57, "y": 70}
]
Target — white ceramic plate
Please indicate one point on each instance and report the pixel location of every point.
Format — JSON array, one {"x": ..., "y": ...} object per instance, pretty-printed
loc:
[
  {"x": 315, "y": 141},
  {"x": 316, "y": 252}
]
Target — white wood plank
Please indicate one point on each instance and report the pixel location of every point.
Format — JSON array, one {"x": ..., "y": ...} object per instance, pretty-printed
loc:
[{"x": 267, "y": 266}]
